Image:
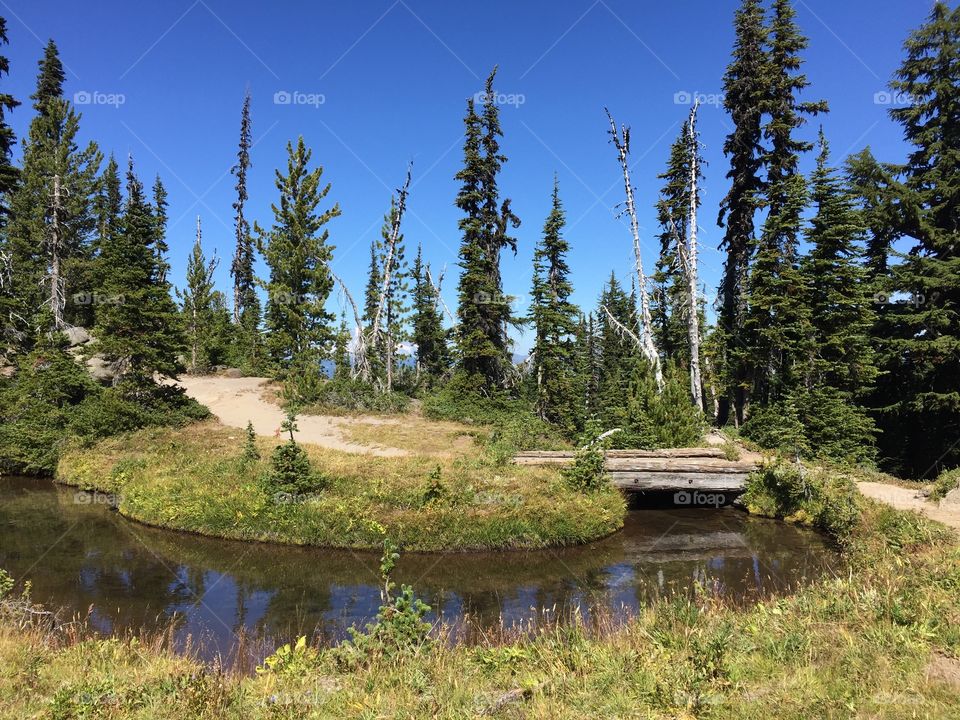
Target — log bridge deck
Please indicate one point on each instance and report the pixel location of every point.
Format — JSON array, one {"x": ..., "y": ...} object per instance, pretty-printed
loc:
[{"x": 693, "y": 469}]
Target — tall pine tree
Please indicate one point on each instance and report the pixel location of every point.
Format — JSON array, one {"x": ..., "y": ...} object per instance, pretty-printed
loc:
[
  {"x": 298, "y": 255},
  {"x": 554, "y": 320}
]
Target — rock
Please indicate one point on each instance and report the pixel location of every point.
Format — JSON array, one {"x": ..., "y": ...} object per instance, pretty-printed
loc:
[
  {"x": 8, "y": 371},
  {"x": 77, "y": 336},
  {"x": 952, "y": 498},
  {"x": 100, "y": 369},
  {"x": 233, "y": 373}
]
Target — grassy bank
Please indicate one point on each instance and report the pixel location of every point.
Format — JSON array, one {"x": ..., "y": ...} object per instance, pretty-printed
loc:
[
  {"x": 878, "y": 641},
  {"x": 194, "y": 479}
]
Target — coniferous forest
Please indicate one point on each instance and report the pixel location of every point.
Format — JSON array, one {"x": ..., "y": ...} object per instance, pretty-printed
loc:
[
  {"x": 834, "y": 334},
  {"x": 723, "y": 489}
]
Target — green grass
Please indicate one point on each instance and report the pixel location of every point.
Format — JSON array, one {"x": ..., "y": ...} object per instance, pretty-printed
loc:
[
  {"x": 879, "y": 640},
  {"x": 194, "y": 479}
]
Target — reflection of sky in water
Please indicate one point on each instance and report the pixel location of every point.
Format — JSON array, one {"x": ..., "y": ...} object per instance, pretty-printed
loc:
[{"x": 79, "y": 556}]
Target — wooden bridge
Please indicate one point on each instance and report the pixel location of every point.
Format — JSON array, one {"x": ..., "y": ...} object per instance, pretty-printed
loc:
[{"x": 694, "y": 469}]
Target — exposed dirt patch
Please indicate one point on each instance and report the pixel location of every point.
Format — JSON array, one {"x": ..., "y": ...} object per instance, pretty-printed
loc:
[{"x": 910, "y": 499}]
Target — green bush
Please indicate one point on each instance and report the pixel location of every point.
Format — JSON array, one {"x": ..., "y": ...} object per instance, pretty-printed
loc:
[
  {"x": 945, "y": 482},
  {"x": 355, "y": 396},
  {"x": 778, "y": 427},
  {"x": 661, "y": 419},
  {"x": 290, "y": 469},
  {"x": 820, "y": 498},
  {"x": 589, "y": 469},
  {"x": 399, "y": 629}
]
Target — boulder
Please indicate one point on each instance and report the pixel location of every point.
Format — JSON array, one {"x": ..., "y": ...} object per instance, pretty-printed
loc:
[
  {"x": 233, "y": 373},
  {"x": 100, "y": 369},
  {"x": 77, "y": 336},
  {"x": 8, "y": 371},
  {"x": 952, "y": 498}
]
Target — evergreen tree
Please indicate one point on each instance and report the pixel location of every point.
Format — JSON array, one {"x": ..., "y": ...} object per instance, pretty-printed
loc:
[
  {"x": 9, "y": 174},
  {"x": 341, "y": 352},
  {"x": 198, "y": 305},
  {"x": 433, "y": 355},
  {"x": 47, "y": 242},
  {"x": 298, "y": 255},
  {"x": 875, "y": 189},
  {"x": 919, "y": 400},
  {"x": 774, "y": 331},
  {"x": 837, "y": 286},
  {"x": 483, "y": 311},
  {"x": 246, "y": 303},
  {"x": 554, "y": 319},
  {"x": 671, "y": 293},
  {"x": 160, "y": 246},
  {"x": 618, "y": 353},
  {"x": 745, "y": 85},
  {"x": 776, "y": 327},
  {"x": 138, "y": 326}
]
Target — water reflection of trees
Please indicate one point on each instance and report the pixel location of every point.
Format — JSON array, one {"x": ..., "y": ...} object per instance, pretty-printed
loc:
[{"x": 133, "y": 574}]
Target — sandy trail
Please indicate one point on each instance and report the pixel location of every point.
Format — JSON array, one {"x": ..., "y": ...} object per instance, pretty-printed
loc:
[
  {"x": 907, "y": 499},
  {"x": 236, "y": 400}
]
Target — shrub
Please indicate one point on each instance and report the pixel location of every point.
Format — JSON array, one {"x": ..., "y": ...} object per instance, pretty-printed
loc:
[
  {"x": 778, "y": 427},
  {"x": 821, "y": 498},
  {"x": 945, "y": 482},
  {"x": 251, "y": 453},
  {"x": 290, "y": 469},
  {"x": 588, "y": 471},
  {"x": 662, "y": 419},
  {"x": 399, "y": 629},
  {"x": 355, "y": 396}
]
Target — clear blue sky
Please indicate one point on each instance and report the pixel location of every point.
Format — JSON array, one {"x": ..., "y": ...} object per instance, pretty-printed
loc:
[{"x": 393, "y": 77}]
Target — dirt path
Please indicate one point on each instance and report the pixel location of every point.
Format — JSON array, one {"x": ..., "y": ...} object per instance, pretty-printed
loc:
[
  {"x": 236, "y": 400},
  {"x": 907, "y": 499}
]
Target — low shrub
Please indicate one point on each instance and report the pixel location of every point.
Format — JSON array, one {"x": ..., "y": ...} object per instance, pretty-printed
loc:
[
  {"x": 945, "y": 482},
  {"x": 588, "y": 471},
  {"x": 290, "y": 469},
  {"x": 816, "y": 497},
  {"x": 348, "y": 395}
]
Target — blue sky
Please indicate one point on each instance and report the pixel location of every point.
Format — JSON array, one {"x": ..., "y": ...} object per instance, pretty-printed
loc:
[{"x": 374, "y": 84}]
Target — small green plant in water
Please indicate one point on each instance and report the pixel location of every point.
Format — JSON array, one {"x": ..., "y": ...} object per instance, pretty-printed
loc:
[{"x": 399, "y": 629}]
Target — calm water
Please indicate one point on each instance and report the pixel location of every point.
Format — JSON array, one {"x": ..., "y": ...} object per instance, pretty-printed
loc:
[{"x": 80, "y": 555}]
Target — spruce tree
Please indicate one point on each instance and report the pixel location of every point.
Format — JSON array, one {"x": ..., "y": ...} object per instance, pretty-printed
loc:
[
  {"x": 428, "y": 336},
  {"x": 47, "y": 243},
  {"x": 198, "y": 305},
  {"x": 160, "y": 246},
  {"x": 483, "y": 311},
  {"x": 745, "y": 85},
  {"x": 298, "y": 255},
  {"x": 554, "y": 320},
  {"x": 9, "y": 175},
  {"x": 919, "y": 400},
  {"x": 138, "y": 325},
  {"x": 246, "y": 303},
  {"x": 341, "y": 352},
  {"x": 874, "y": 186},
  {"x": 617, "y": 352}
]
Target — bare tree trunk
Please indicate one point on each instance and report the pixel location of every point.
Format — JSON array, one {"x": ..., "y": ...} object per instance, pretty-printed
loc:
[
  {"x": 361, "y": 365},
  {"x": 436, "y": 288},
  {"x": 647, "y": 344},
  {"x": 385, "y": 286},
  {"x": 693, "y": 321},
  {"x": 57, "y": 298}
]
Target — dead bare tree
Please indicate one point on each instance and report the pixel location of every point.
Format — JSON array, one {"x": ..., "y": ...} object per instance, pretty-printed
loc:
[
  {"x": 58, "y": 298},
  {"x": 436, "y": 289},
  {"x": 361, "y": 363},
  {"x": 621, "y": 141},
  {"x": 690, "y": 261},
  {"x": 392, "y": 239}
]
